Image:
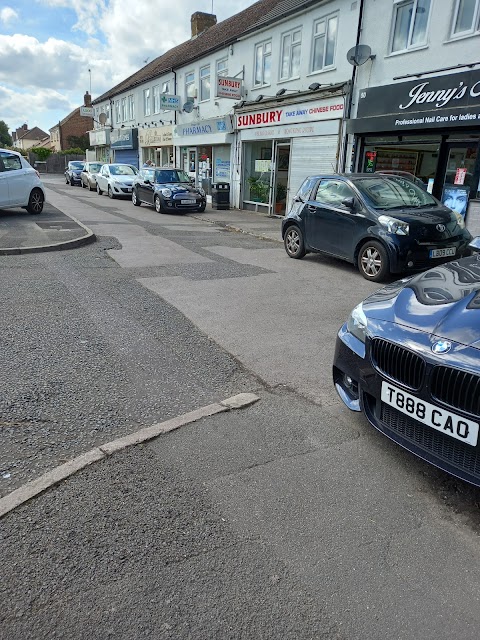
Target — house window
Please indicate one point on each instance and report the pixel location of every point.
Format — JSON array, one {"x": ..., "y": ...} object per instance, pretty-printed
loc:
[
  {"x": 131, "y": 107},
  {"x": 466, "y": 18},
  {"x": 410, "y": 20},
  {"x": 222, "y": 67},
  {"x": 166, "y": 87},
  {"x": 107, "y": 111},
  {"x": 95, "y": 117},
  {"x": 324, "y": 42},
  {"x": 118, "y": 113},
  {"x": 190, "y": 92},
  {"x": 205, "y": 83},
  {"x": 156, "y": 99},
  {"x": 146, "y": 102},
  {"x": 263, "y": 62},
  {"x": 290, "y": 60},
  {"x": 124, "y": 109}
]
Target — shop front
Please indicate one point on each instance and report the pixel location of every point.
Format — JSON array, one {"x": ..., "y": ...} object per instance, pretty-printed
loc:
[
  {"x": 156, "y": 145},
  {"x": 124, "y": 145},
  {"x": 430, "y": 128},
  {"x": 204, "y": 150},
  {"x": 282, "y": 145},
  {"x": 99, "y": 140}
]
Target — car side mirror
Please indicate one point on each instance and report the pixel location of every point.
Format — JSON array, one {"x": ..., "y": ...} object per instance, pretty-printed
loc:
[
  {"x": 298, "y": 199},
  {"x": 147, "y": 181},
  {"x": 475, "y": 244},
  {"x": 349, "y": 203}
]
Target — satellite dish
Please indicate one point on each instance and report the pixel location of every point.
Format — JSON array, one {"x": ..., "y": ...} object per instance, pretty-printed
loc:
[
  {"x": 102, "y": 118},
  {"x": 359, "y": 54},
  {"x": 188, "y": 107}
]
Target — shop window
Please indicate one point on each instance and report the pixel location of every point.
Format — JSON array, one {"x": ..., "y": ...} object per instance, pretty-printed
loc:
[
  {"x": 324, "y": 42},
  {"x": 257, "y": 162},
  {"x": 146, "y": 102},
  {"x": 263, "y": 62},
  {"x": 156, "y": 99},
  {"x": 205, "y": 83},
  {"x": 410, "y": 21},
  {"x": 291, "y": 49},
  {"x": 466, "y": 18}
]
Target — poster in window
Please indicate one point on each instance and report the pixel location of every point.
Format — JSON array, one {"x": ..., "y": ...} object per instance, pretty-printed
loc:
[{"x": 456, "y": 198}]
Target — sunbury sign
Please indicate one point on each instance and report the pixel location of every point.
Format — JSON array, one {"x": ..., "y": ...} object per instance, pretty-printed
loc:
[{"x": 450, "y": 100}]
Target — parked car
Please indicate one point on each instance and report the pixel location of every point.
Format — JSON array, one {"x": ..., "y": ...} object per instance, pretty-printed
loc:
[
  {"x": 20, "y": 184},
  {"x": 404, "y": 174},
  {"x": 88, "y": 176},
  {"x": 73, "y": 172},
  {"x": 116, "y": 179},
  {"x": 409, "y": 358},
  {"x": 382, "y": 223},
  {"x": 168, "y": 190}
]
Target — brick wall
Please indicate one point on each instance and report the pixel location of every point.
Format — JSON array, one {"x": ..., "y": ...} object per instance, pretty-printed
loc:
[{"x": 76, "y": 125}]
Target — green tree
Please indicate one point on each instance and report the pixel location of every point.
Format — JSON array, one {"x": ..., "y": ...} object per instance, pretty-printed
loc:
[
  {"x": 5, "y": 137},
  {"x": 78, "y": 142}
]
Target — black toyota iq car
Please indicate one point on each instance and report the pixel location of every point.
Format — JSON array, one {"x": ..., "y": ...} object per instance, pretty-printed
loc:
[
  {"x": 168, "y": 190},
  {"x": 409, "y": 358},
  {"x": 382, "y": 223}
]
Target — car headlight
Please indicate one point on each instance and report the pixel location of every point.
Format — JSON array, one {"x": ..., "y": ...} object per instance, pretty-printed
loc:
[
  {"x": 459, "y": 219},
  {"x": 201, "y": 192},
  {"x": 119, "y": 185},
  {"x": 393, "y": 225},
  {"x": 357, "y": 323},
  {"x": 166, "y": 192}
]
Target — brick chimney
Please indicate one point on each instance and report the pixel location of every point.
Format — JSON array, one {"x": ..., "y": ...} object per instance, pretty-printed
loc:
[
  {"x": 87, "y": 100},
  {"x": 201, "y": 22},
  {"x": 25, "y": 127}
]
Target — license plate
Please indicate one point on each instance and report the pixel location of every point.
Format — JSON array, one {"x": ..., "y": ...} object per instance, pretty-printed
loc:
[
  {"x": 187, "y": 201},
  {"x": 440, "y": 419},
  {"x": 441, "y": 253}
]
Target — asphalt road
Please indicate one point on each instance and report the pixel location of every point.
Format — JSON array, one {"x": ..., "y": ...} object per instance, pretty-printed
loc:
[{"x": 289, "y": 519}]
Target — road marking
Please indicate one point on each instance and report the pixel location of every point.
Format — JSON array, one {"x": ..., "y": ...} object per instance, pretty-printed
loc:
[{"x": 51, "y": 478}]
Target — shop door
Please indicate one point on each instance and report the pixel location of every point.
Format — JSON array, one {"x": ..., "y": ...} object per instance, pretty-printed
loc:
[
  {"x": 461, "y": 176},
  {"x": 192, "y": 163},
  {"x": 279, "y": 178}
]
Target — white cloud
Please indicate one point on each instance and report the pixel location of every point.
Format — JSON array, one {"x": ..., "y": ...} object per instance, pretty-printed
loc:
[
  {"x": 7, "y": 14},
  {"x": 16, "y": 107}
]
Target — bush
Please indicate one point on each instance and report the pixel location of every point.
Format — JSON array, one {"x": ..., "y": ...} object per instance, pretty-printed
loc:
[
  {"x": 41, "y": 152},
  {"x": 75, "y": 151}
]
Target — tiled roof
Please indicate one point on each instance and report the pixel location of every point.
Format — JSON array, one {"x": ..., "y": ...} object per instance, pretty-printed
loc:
[
  {"x": 31, "y": 134},
  {"x": 213, "y": 38}
]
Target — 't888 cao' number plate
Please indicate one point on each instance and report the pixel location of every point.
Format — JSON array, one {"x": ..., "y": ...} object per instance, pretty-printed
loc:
[{"x": 449, "y": 423}]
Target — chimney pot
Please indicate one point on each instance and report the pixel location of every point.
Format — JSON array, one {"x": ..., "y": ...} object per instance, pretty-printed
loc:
[{"x": 87, "y": 99}]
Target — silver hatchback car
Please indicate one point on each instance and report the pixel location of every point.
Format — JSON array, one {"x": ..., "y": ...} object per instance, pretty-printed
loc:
[{"x": 20, "y": 184}]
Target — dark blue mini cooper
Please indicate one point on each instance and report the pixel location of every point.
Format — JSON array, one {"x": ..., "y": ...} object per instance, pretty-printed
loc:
[
  {"x": 168, "y": 190},
  {"x": 382, "y": 223}
]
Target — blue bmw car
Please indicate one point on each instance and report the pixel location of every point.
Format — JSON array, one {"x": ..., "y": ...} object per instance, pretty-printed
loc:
[{"x": 409, "y": 358}]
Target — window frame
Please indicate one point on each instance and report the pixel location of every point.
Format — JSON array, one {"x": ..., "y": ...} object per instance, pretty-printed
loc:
[
  {"x": 398, "y": 4},
  {"x": 147, "y": 107},
  {"x": 208, "y": 77},
  {"x": 188, "y": 84},
  {"x": 118, "y": 112},
  {"x": 474, "y": 29},
  {"x": 326, "y": 18},
  {"x": 291, "y": 33},
  {"x": 131, "y": 106},
  {"x": 166, "y": 87},
  {"x": 124, "y": 109},
  {"x": 156, "y": 99},
  {"x": 261, "y": 45}
]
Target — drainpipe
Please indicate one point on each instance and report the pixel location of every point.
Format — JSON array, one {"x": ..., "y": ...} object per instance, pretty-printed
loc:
[
  {"x": 348, "y": 111},
  {"x": 175, "y": 164}
]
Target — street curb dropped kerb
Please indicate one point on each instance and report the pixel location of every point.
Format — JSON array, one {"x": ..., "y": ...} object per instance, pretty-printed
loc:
[{"x": 51, "y": 478}]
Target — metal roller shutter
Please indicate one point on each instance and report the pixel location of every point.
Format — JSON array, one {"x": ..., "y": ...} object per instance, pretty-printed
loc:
[
  {"x": 311, "y": 156},
  {"x": 127, "y": 156}
]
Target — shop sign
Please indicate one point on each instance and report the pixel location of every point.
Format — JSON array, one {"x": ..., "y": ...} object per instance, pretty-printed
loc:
[
  {"x": 229, "y": 88},
  {"x": 204, "y": 127},
  {"x": 170, "y": 102},
  {"x": 328, "y": 109},
  {"x": 123, "y": 139},
  {"x": 157, "y": 137},
  {"x": 99, "y": 137},
  {"x": 86, "y": 111}
]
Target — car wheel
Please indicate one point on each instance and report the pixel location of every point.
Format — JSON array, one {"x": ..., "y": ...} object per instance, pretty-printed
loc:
[
  {"x": 84, "y": 186},
  {"x": 135, "y": 200},
  {"x": 373, "y": 261},
  {"x": 158, "y": 205},
  {"x": 99, "y": 191},
  {"x": 90, "y": 188},
  {"x": 72, "y": 184},
  {"x": 294, "y": 244},
  {"x": 110, "y": 192},
  {"x": 202, "y": 209},
  {"x": 35, "y": 202}
]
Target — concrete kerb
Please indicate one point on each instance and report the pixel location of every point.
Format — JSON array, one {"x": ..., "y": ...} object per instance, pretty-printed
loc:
[
  {"x": 35, "y": 487},
  {"x": 56, "y": 246},
  {"x": 231, "y": 227}
]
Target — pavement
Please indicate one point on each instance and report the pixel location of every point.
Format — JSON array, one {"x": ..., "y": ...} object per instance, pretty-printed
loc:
[{"x": 54, "y": 229}]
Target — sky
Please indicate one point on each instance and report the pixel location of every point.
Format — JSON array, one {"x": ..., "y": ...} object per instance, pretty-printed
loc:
[{"x": 48, "y": 46}]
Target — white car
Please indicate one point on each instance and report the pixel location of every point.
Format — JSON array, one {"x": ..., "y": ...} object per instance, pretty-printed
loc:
[
  {"x": 116, "y": 179},
  {"x": 20, "y": 184}
]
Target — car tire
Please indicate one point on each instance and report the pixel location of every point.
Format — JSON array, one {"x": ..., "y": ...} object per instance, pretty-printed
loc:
[
  {"x": 373, "y": 262},
  {"x": 84, "y": 186},
  {"x": 35, "y": 202},
  {"x": 72, "y": 184},
  {"x": 99, "y": 191},
  {"x": 110, "y": 193},
  {"x": 90, "y": 188},
  {"x": 201, "y": 210},
  {"x": 157, "y": 203},
  {"x": 135, "y": 199},
  {"x": 294, "y": 243}
]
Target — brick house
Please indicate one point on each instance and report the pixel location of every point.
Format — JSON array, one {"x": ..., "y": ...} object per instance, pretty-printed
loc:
[{"x": 72, "y": 125}]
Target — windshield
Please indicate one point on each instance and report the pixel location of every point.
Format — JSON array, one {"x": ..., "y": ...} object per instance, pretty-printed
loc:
[
  {"x": 171, "y": 175},
  {"x": 122, "y": 170},
  {"x": 95, "y": 168},
  {"x": 76, "y": 165},
  {"x": 393, "y": 192}
]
